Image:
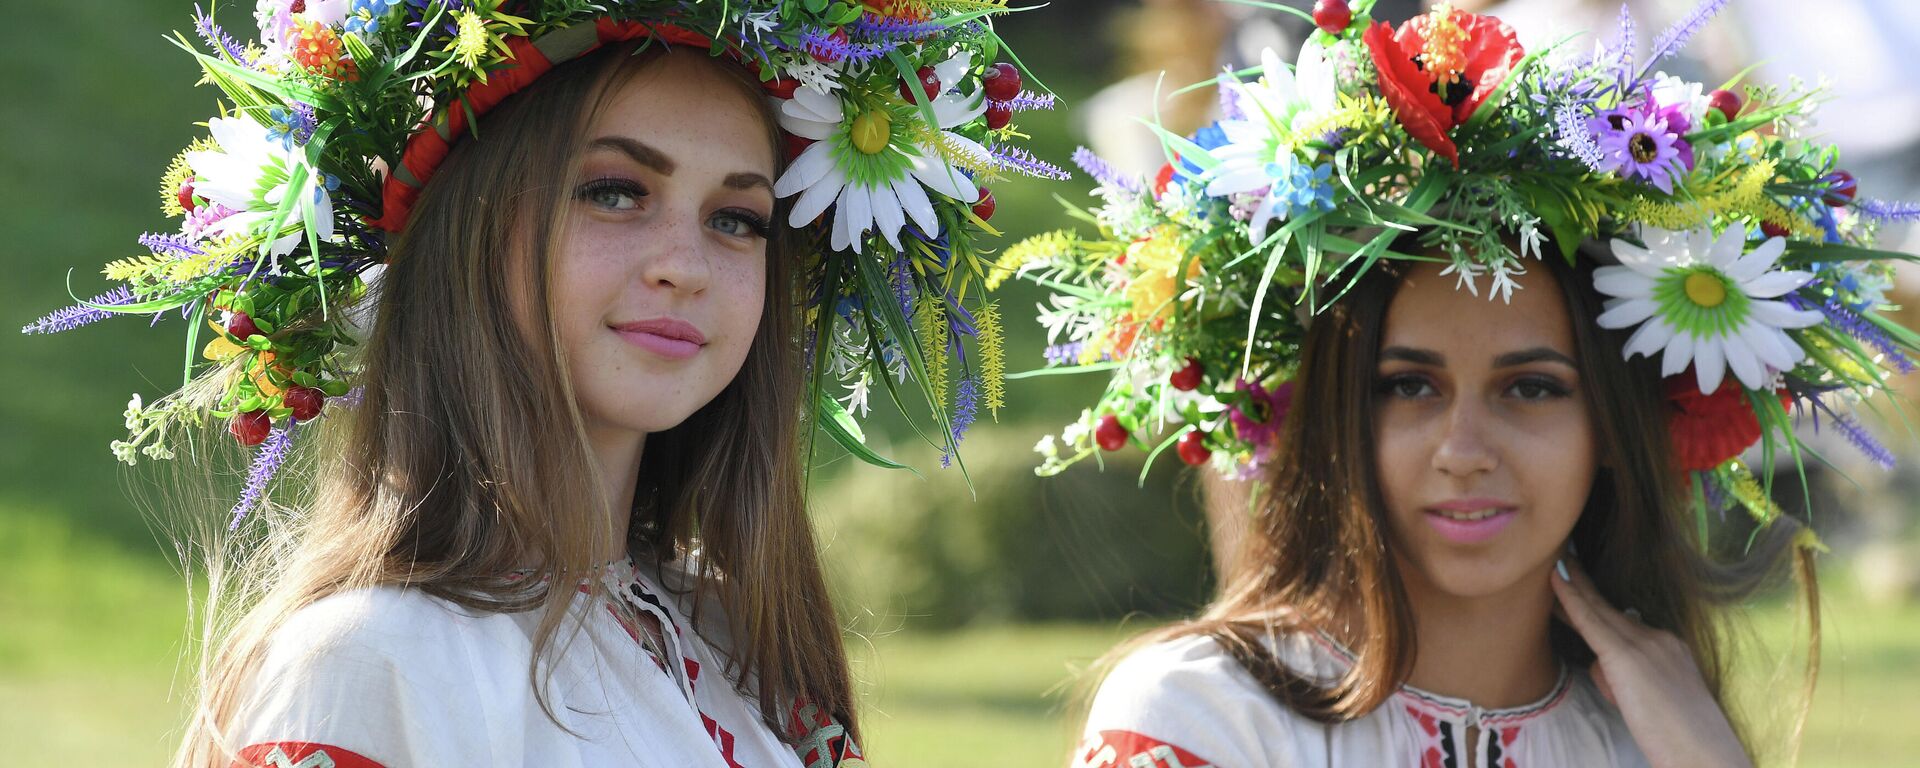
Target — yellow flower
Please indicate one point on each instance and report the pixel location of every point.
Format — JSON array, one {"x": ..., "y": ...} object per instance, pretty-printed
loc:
[
  {"x": 470, "y": 41},
  {"x": 1155, "y": 263}
]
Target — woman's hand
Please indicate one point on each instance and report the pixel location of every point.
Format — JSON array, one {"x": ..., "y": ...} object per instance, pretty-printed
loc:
[{"x": 1650, "y": 675}]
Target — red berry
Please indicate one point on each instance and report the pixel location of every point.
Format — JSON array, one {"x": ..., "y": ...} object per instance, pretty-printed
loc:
[
  {"x": 986, "y": 205},
  {"x": 250, "y": 428},
  {"x": 929, "y": 85},
  {"x": 1186, "y": 379},
  {"x": 241, "y": 327},
  {"x": 781, "y": 87},
  {"x": 1332, "y": 16},
  {"x": 1726, "y": 102},
  {"x": 186, "y": 194},
  {"x": 1001, "y": 81},
  {"x": 1841, "y": 190},
  {"x": 306, "y": 402},
  {"x": 1110, "y": 435},
  {"x": 998, "y": 116},
  {"x": 1193, "y": 449},
  {"x": 1771, "y": 229}
]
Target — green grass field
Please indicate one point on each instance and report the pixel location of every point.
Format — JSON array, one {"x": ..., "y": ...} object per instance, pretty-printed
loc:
[{"x": 89, "y": 635}]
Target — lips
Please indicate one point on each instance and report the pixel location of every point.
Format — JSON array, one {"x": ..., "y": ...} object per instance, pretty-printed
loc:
[
  {"x": 667, "y": 337},
  {"x": 1469, "y": 521}
]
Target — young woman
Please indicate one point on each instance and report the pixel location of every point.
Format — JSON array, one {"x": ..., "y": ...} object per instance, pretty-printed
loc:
[
  {"x": 557, "y": 515},
  {"x": 1411, "y": 291}
]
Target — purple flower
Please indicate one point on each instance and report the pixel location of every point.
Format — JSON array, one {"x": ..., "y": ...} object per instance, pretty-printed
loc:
[
  {"x": 1856, "y": 326},
  {"x": 966, "y": 403},
  {"x": 1028, "y": 101},
  {"x": 1065, "y": 354},
  {"x": 266, "y": 463},
  {"x": 79, "y": 314},
  {"x": 1104, "y": 172},
  {"x": 1259, "y": 421},
  {"x": 877, "y": 27},
  {"x": 1888, "y": 210},
  {"x": 1016, "y": 159},
  {"x": 176, "y": 245},
  {"x": 824, "y": 45},
  {"x": 1638, "y": 143},
  {"x": 1675, "y": 37},
  {"x": 1576, "y": 136},
  {"x": 217, "y": 38}
]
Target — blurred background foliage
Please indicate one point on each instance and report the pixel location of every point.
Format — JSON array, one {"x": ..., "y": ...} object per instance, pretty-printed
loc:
[{"x": 977, "y": 608}]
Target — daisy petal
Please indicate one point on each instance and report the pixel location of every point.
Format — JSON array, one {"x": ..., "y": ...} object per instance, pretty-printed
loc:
[
  {"x": 1758, "y": 260},
  {"x": 1745, "y": 365},
  {"x": 1774, "y": 284},
  {"x": 1726, "y": 249},
  {"x": 1622, "y": 282},
  {"x": 815, "y": 200},
  {"x": 1780, "y": 315},
  {"x": 857, "y": 204},
  {"x": 913, "y": 199},
  {"x": 1709, "y": 364},
  {"x": 806, "y": 170},
  {"x": 1627, "y": 313},
  {"x": 887, "y": 216},
  {"x": 809, "y": 103},
  {"x": 943, "y": 178},
  {"x": 1679, "y": 353}
]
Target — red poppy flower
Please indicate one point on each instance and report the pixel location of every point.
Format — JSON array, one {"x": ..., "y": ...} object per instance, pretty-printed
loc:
[
  {"x": 1437, "y": 69},
  {"x": 1709, "y": 429}
]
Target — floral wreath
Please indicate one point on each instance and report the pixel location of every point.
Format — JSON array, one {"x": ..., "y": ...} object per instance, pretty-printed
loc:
[
  {"x": 1744, "y": 257},
  {"x": 894, "y": 111}
]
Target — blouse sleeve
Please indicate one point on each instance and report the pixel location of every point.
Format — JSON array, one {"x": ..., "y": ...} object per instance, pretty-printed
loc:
[
  {"x": 375, "y": 679},
  {"x": 1184, "y": 704}
]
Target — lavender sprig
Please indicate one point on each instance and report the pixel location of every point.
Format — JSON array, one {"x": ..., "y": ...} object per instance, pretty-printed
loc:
[
  {"x": 79, "y": 314},
  {"x": 824, "y": 46},
  {"x": 1617, "y": 59},
  {"x": 1016, "y": 159},
  {"x": 1856, "y": 326},
  {"x": 1064, "y": 354},
  {"x": 1675, "y": 37},
  {"x": 966, "y": 403},
  {"x": 1029, "y": 101},
  {"x": 216, "y": 37},
  {"x": 890, "y": 29},
  {"x": 175, "y": 245},
  {"x": 1570, "y": 126},
  {"x": 1855, "y": 434},
  {"x": 1888, "y": 210},
  {"x": 1104, "y": 172},
  {"x": 266, "y": 464}
]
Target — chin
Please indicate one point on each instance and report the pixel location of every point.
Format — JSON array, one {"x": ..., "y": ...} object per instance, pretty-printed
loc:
[{"x": 1481, "y": 574}]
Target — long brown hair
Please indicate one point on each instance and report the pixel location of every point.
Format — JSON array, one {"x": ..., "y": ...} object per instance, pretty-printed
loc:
[
  {"x": 1317, "y": 555},
  {"x": 468, "y": 457}
]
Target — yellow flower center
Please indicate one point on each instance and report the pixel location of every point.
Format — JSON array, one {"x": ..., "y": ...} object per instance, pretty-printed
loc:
[
  {"x": 1444, "y": 55},
  {"x": 1706, "y": 290},
  {"x": 872, "y": 131}
]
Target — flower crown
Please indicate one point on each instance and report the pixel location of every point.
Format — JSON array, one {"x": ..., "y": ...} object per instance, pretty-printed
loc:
[
  {"x": 894, "y": 111},
  {"x": 1744, "y": 256}
]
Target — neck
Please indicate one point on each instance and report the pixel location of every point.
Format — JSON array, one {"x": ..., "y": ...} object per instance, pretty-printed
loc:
[
  {"x": 618, "y": 454},
  {"x": 1492, "y": 650}
]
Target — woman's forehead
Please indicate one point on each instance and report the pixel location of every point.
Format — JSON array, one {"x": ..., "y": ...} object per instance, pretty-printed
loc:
[{"x": 1435, "y": 312}]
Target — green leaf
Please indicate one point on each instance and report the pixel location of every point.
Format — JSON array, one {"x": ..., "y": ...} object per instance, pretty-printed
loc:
[{"x": 840, "y": 425}]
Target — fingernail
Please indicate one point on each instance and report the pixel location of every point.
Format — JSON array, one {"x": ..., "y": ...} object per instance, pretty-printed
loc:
[{"x": 1560, "y": 567}]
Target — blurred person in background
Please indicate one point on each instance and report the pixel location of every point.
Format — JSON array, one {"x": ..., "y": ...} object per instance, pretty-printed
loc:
[{"x": 1503, "y": 528}]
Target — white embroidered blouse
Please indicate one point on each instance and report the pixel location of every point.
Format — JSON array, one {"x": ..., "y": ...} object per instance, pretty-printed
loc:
[
  {"x": 393, "y": 678},
  {"x": 1186, "y": 703}
]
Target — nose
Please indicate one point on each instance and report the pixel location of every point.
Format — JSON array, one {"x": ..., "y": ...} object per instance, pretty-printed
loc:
[
  {"x": 1464, "y": 449},
  {"x": 674, "y": 257}
]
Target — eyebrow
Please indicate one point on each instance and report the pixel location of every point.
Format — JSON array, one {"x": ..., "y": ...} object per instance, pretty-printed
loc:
[
  {"x": 657, "y": 160},
  {"x": 1508, "y": 360}
]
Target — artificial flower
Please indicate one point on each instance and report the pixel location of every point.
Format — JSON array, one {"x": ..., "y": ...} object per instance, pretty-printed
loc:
[
  {"x": 871, "y": 168},
  {"x": 248, "y": 174},
  {"x": 1707, "y": 304},
  {"x": 1438, "y": 68},
  {"x": 1644, "y": 143},
  {"x": 1709, "y": 429}
]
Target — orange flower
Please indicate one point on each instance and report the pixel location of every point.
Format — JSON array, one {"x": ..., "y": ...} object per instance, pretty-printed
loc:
[
  {"x": 1437, "y": 69},
  {"x": 317, "y": 48}
]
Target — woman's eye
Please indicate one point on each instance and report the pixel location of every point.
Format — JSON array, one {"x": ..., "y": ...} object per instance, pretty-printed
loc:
[
  {"x": 1406, "y": 387},
  {"x": 613, "y": 194},
  {"x": 739, "y": 223},
  {"x": 1538, "y": 389}
]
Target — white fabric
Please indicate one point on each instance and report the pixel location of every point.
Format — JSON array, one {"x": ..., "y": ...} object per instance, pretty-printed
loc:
[
  {"x": 1185, "y": 703},
  {"x": 403, "y": 679}
]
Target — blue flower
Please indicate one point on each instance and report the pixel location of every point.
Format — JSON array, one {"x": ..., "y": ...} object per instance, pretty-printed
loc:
[
  {"x": 363, "y": 17},
  {"x": 1297, "y": 188}
]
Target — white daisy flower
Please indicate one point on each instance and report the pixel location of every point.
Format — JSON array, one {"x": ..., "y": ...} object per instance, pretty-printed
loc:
[
  {"x": 1260, "y": 150},
  {"x": 249, "y": 175},
  {"x": 1708, "y": 303},
  {"x": 870, "y": 164}
]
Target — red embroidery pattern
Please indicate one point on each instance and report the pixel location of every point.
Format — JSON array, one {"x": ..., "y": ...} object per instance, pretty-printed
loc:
[
  {"x": 300, "y": 754},
  {"x": 1126, "y": 749}
]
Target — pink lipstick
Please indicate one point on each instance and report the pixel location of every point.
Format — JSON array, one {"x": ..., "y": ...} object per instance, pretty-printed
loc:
[
  {"x": 1470, "y": 521},
  {"x": 667, "y": 337}
]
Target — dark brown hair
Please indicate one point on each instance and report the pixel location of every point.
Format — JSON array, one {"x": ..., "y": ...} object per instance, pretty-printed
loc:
[
  {"x": 468, "y": 457},
  {"x": 1317, "y": 553}
]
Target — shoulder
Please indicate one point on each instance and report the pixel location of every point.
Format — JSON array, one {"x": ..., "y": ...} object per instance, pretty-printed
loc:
[
  {"x": 1185, "y": 698},
  {"x": 389, "y": 674}
]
